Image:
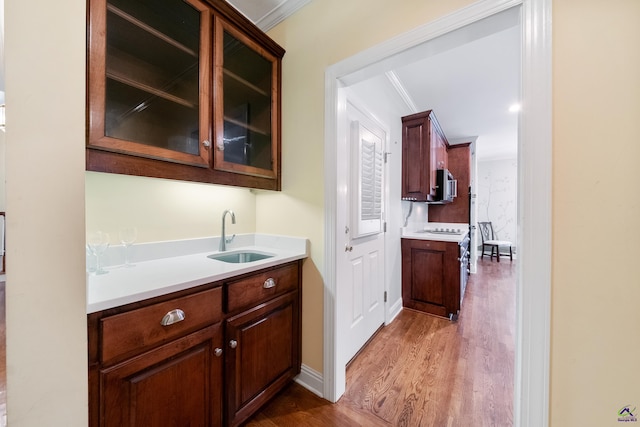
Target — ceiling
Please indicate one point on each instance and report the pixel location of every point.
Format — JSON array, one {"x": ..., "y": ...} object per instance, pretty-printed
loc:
[
  {"x": 469, "y": 77},
  {"x": 266, "y": 14}
]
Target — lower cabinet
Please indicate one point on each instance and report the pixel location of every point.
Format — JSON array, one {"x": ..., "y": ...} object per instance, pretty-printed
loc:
[
  {"x": 177, "y": 384},
  {"x": 160, "y": 362},
  {"x": 262, "y": 355},
  {"x": 431, "y": 279}
]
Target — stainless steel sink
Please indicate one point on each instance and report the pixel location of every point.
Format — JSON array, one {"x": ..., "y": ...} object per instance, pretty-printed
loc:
[{"x": 240, "y": 256}]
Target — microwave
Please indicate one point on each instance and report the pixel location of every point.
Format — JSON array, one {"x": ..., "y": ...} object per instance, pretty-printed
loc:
[{"x": 446, "y": 186}]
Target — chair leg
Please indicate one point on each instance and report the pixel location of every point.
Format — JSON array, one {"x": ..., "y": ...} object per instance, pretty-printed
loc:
[
  {"x": 510, "y": 254},
  {"x": 498, "y": 253}
]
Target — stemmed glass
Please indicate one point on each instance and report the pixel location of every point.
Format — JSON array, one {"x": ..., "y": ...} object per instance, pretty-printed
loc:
[
  {"x": 128, "y": 235},
  {"x": 98, "y": 242}
]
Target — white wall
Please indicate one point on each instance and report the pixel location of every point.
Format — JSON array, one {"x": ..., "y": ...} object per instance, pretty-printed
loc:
[{"x": 497, "y": 196}]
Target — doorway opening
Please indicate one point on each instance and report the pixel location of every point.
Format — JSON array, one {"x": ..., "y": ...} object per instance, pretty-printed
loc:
[{"x": 534, "y": 154}]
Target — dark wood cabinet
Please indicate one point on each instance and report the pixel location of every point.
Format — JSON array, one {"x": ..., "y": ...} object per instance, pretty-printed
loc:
[
  {"x": 263, "y": 355},
  {"x": 459, "y": 164},
  {"x": 431, "y": 276},
  {"x": 145, "y": 370},
  {"x": 177, "y": 384},
  {"x": 148, "y": 367},
  {"x": 185, "y": 90},
  {"x": 424, "y": 150},
  {"x": 263, "y": 338}
]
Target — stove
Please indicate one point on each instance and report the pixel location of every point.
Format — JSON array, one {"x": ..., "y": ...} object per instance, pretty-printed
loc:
[{"x": 444, "y": 230}]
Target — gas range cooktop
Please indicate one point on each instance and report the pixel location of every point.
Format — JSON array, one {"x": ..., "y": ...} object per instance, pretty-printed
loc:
[{"x": 442, "y": 230}]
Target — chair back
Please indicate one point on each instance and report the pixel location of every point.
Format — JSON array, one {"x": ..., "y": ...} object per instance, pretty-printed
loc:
[{"x": 486, "y": 231}]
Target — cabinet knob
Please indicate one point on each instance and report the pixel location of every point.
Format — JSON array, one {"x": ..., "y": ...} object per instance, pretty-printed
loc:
[
  {"x": 221, "y": 145},
  {"x": 269, "y": 283},
  {"x": 233, "y": 343},
  {"x": 206, "y": 143},
  {"x": 217, "y": 352},
  {"x": 174, "y": 316}
]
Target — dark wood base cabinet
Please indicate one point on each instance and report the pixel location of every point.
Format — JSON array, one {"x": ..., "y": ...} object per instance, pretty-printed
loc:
[
  {"x": 146, "y": 373},
  {"x": 264, "y": 358},
  {"x": 431, "y": 277},
  {"x": 177, "y": 384}
]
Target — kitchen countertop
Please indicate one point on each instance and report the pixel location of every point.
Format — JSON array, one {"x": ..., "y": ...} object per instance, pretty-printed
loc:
[
  {"x": 165, "y": 267},
  {"x": 420, "y": 231}
]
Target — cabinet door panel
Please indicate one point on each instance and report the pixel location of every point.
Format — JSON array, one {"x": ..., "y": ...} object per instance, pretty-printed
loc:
[
  {"x": 149, "y": 79},
  {"x": 427, "y": 276},
  {"x": 247, "y": 113},
  {"x": 415, "y": 159},
  {"x": 267, "y": 355},
  {"x": 176, "y": 384}
]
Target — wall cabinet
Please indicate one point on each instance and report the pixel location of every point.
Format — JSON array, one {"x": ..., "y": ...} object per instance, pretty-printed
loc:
[
  {"x": 459, "y": 164},
  {"x": 432, "y": 276},
  {"x": 424, "y": 150},
  {"x": 184, "y": 90},
  {"x": 160, "y": 362}
]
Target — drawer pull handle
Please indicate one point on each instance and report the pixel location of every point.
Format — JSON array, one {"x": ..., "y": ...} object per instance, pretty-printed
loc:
[
  {"x": 233, "y": 343},
  {"x": 269, "y": 283},
  {"x": 217, "y": 352},
  {"x": 174, "y": 316}
]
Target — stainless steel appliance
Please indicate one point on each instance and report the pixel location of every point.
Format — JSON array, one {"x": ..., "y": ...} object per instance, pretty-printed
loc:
[{"x": 446, "y": 187}]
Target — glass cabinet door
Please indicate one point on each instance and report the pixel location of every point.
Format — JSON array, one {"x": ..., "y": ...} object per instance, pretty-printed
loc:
[
  {"x": 153, "y": 97},
  {"x": 246, "y": 105}
]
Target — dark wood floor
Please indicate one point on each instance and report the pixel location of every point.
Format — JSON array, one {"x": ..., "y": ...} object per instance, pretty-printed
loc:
[{"x": 424, "y": 371}]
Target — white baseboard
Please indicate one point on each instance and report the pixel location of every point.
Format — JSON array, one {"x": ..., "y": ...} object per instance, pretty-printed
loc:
[
  {"x": 311, "y": 379},
  {"x": 394, "y": 310}
]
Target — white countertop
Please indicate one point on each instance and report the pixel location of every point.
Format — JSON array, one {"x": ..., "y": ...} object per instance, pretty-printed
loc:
[
  {"x": 424, "y": 231},
  {"x": 165, "y": 267}
]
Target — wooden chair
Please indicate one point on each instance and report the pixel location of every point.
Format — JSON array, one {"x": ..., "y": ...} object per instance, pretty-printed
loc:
[{"x": 489, "y": 239}]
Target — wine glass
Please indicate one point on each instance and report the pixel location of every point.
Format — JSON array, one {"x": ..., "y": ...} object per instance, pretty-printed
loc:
[
  {"x": 128, "y": 235},
  {"x": 98, "y": 242}
]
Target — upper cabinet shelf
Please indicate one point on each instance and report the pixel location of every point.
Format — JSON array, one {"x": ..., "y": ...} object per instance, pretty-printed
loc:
[{"x": 183, "y": 90}]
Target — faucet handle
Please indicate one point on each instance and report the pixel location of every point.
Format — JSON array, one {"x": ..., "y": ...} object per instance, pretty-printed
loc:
[{"x": 230, "y": 239}]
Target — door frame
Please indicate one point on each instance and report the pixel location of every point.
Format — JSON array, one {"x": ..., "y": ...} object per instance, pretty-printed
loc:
[{"x": 533, "y": 294}]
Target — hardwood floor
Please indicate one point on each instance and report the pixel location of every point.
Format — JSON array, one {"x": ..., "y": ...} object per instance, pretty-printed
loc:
[{"x": 424, "y": 371}]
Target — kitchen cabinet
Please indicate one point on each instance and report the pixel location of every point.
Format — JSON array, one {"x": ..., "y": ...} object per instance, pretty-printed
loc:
[
  {"x": 264, "y": 351},
  {"x": 434, "y": 275},
  {"x": 186, "y": 90},
  {"x": 424, "y": 150},
  {"x": 160, "y": 361},
  {"x": 459, "y": 164},
  {"x": 158, "y": 364}
]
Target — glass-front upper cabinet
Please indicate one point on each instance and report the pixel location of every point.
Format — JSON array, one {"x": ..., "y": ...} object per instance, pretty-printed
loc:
[
  {"x": 246, "y": 105},
  {"x": 150, "y": 79}
]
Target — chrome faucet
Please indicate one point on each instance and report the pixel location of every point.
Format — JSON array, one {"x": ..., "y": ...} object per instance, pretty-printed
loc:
[{"x": 223, "y": 238}]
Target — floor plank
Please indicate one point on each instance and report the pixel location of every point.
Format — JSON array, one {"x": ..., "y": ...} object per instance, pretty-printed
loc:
[{"x": 422, "y": 370}]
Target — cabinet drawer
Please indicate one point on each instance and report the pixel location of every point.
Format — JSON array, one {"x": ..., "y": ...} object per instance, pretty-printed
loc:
[
  {"x": 261, "y": 287},
  {"x": 137, "y": 330}
]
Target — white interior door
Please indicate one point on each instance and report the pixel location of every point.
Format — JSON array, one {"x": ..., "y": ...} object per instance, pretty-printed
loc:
[{"x": 361, "y": 207}]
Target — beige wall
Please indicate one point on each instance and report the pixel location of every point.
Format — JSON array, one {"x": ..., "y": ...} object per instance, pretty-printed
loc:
[
  {"x": 46, "y": 298},
  {"x": 163, "y": 209},
  {"x": 596, "y": 155},
  {"x": 596, "y": 95}
]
